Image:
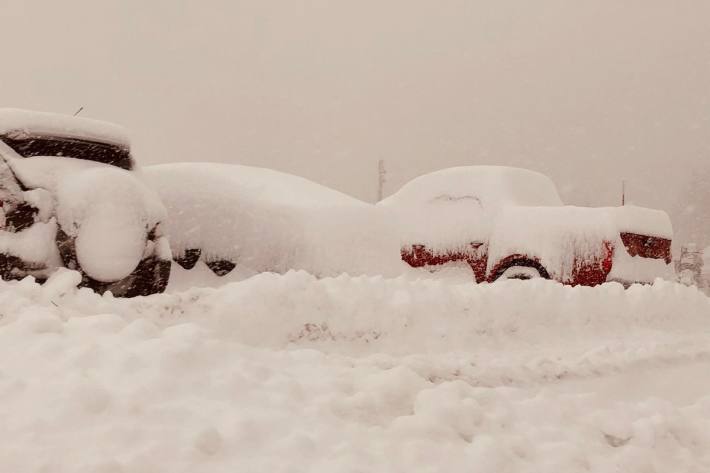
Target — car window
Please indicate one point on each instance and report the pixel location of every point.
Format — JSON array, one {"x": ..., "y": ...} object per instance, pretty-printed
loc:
[{"x": 106, "y": 153}]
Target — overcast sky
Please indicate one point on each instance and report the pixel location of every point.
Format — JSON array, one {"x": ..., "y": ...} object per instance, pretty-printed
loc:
[{"x": 588, "y": 92}]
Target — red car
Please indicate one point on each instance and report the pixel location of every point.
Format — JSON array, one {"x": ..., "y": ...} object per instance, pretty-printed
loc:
[{"x": 509, "y": 223}]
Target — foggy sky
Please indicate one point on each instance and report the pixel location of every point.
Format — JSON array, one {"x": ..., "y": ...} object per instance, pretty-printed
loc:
[{"x": 588, "y": 92}]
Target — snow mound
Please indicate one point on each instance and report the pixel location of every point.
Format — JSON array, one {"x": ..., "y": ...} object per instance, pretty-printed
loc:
[
  {"x": 295, "y": 373},
  {"x": 110, "y": 213},
  {"x": 264, "y": 220},
  {"x": 25, "y": 122},
  {"x": 452, "y": 208}
]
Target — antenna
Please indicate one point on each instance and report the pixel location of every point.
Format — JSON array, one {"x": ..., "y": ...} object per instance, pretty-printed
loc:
[
  {"x": 623, "y": 192},
  {"x": 381, "y": 179},
  {"x": 79, "y": 111}
]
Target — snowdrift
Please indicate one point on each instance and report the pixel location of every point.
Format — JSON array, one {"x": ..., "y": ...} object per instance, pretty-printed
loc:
[
  {"x": 299, "y": 374},
  {"x": 265, "y": 220}
]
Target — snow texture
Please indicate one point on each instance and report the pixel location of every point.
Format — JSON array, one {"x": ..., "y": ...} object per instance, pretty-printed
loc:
[
  {"x": 264, "y": 220},
  {"x": 35, "y": 245},
  {"x": 642, "y": 221},
  {"x": 109, "y": 210},
  {"x": 556, "y": 236},
  {"x": 294, "y": 373},
  {"x": 17, "y": 122},
  {"x": 451, "y": 208}
]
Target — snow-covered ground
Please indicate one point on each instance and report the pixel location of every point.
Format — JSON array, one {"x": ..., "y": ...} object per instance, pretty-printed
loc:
[{"x": 289, "y": 373}]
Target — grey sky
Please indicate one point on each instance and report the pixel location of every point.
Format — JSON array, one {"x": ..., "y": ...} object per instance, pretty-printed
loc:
[{"x": 589, "y": 92}]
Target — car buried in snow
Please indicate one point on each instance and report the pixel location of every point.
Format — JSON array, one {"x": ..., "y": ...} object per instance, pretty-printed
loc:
[
  {"x": 243, "y": 220},
  {"x": 70, "y": 197},
  {"x": 510, "y": 223}
]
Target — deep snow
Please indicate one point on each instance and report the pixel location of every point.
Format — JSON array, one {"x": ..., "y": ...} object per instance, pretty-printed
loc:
[
  {"x": 266, "y": 220},
  {"x": 293, "y": 373}
]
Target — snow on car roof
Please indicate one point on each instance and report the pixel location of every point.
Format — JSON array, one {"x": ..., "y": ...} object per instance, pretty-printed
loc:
[
  {"x": 271, "y": 186},
  {"x": 641, "y": 220},
  {"x": 43, "y": 123},
  {"x": 452, "y": 208},
  {"x": 489, "y": 185}
]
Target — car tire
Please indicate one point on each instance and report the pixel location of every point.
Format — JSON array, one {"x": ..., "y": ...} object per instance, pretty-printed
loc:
[
  {"x": 188, "y": 259},
  {"x": 151, "y": 276},
  {"x": 523, "y": 273},
  {"x": 519, "y": 268},
  {"x": 221, "y": 267}
]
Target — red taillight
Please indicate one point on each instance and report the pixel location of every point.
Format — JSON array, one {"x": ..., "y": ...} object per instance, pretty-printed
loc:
[
  {"x": 647, "y": 246},
  {"x": 608, "y": 257}
]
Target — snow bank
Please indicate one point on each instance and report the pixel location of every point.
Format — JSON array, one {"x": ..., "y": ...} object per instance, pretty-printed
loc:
[
  {"x": 18, "y": 122},
  {"x": 451, "y": 208},
  {"x": 264, "y": 220},
  {"x": 293, "y": 373}
]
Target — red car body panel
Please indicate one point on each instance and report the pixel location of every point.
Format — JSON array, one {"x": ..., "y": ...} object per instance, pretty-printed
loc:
[{"x": 587, "y": 272}]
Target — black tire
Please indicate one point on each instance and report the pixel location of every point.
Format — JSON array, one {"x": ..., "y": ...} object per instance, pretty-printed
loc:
[
  {"x": 189, "y": 258},
  {"x": 151, "y": 276},
  {"x": 520, "y": 263},
  {"x": 221, "y": 267}
]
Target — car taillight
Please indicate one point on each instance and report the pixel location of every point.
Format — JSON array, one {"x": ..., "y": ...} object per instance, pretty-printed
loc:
[
  {"x": 647, "y": 246},
  {"x": 608, "y": 257}
]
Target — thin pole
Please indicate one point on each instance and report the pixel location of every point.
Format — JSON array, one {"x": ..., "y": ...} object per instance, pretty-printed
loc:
[
  {"x": 623, "y": 192},
  {"x": 381, "y": 179}
]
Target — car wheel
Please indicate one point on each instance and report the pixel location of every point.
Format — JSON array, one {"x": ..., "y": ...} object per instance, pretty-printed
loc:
[
  {"x": 520, "y": 272},
  {"x": 221, "y": 267},
  {"x": 150, "y": 276},
  {"x": 189, "y": 258},
  {"x": 518, "y": 267}
]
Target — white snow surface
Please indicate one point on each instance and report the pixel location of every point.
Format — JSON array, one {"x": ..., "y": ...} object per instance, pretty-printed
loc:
[
  {"x": 640, "y": 220},
  {"x": 110, "y": 213},
  {"x": 627, "y": 268},
  {"x": 34, "y": 245},
  {"x": 18, "y": 121},
  {"x": 109, "y": 210},
  {"x": 265, "y": 220},
  {"x": 291, "y": 373},
  {"x": 555, "y": 235},
  {"x": 492, "y": 186},
  {"x": 453, "y": 207}
]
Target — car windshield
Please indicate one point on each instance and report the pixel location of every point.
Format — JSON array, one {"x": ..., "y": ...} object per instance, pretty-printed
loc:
[{"x": 31, "y": 146}]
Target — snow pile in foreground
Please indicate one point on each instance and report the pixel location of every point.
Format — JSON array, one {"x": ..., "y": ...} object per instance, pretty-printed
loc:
[
  {"x": 265, "y": 220},
  {"x": 292, "y": 373}
]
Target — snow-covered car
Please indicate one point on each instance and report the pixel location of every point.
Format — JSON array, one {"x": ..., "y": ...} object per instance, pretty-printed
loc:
[
  {"x": 261, "y": 220},
  {"x": 510, "y": 223},
  {"x": 70, "y": 197}
]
